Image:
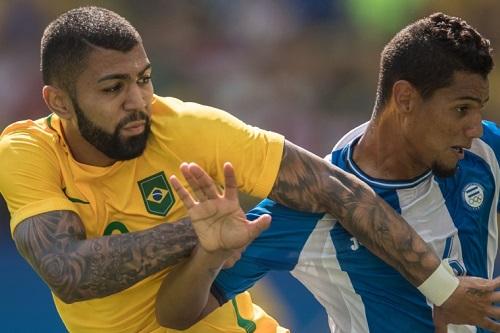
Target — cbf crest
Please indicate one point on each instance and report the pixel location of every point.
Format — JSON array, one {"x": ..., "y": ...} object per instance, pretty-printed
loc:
[
  {"x": 473, "y": 195},
  {"x": 156, "y": 194}
]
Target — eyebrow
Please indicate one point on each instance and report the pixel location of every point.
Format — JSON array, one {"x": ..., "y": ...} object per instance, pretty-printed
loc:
[
  {"x": 475, "y": 99},
  {"x": 122, "y": 76}
]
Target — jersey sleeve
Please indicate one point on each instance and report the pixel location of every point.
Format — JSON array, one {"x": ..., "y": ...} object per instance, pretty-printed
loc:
[
  {"x": 255, "y": 153},
  {"x": 30, "y": 181},
  {"x": 217, "y": 137},
  {"x": 277, "y": 248},
  {"x": 491, "y": 136}
]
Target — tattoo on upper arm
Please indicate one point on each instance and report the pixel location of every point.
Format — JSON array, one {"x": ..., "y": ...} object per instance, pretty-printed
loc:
[
  {"x": 306, "y": 182},
  {"x": 76, "y": 268}
]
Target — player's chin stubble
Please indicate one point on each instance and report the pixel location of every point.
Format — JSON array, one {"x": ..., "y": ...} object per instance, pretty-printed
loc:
[
  {"x": 442, "y": 171},
  {"x": 114, "y": 145}
]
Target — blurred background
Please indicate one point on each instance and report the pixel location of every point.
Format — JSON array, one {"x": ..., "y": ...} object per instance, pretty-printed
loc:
[{"x": 305, "y": 68}]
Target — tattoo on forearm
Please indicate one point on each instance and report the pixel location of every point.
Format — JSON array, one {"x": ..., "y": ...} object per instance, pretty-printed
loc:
[
  {"x": 77, "y": 269},
  {"x": 306, "y": 182}
]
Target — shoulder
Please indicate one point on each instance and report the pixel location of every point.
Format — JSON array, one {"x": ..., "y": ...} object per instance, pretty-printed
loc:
[
  {"x": 28, "y": 136},
  {"x": 491, "y": 134},
  {"x": 350, "y": 136},
  {"x": 342, "y": 148},
  {"x": 176, "y": 108},
  {"x": 179, "y": 118},
  {"x": 488, "y": 146}
]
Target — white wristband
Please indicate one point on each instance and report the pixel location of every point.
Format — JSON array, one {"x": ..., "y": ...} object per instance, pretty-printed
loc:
[{"x": 440, "y": 285}]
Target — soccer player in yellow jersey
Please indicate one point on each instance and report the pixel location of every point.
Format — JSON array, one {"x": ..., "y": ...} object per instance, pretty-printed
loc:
[{"x": 92, "y": 209}]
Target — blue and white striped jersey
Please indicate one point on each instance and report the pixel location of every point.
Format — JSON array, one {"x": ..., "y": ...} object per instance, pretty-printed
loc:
[{"x": 457, "y": 216}]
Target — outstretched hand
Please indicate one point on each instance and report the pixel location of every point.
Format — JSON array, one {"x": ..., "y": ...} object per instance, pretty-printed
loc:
[
  {"x": 217, "y": 218},
  {"x": 471, "y": 303}
]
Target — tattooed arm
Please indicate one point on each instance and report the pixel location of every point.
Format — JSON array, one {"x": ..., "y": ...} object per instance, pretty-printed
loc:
[
  {"x": 304, "y": 182},
  {"x": 308, "y": 183},
  {"x": 78, "y": 269}
]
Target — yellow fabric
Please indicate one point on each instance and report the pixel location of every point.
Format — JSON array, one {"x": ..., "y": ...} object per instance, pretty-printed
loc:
[{"x": 40, "y": 175}]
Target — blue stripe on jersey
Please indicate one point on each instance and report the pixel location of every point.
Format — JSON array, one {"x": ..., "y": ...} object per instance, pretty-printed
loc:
[
  {"x": 277, "y": 248},
  {"x": 447, "y": 247},
  {"x": 339, "y": 158},
  {"x": 391, "y": 303},
  {"x": 473, "y": 180},
  {"x": 491, "y": 133}
]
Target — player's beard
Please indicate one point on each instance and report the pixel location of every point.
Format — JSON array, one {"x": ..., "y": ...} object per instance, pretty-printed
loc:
[
  {"x": 443, "y": 171},
  {"x": 113, "y": 145}
]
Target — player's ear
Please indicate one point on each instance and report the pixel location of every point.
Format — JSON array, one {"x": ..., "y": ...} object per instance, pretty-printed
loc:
[
  {"x": 57, "y": 101},
  {"x": 404, "y": 94}
]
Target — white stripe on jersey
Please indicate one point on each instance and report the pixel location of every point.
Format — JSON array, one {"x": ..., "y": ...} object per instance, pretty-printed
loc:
[
  {"x": 331, "y": 286},
  {"x": 434, "y": 224}
]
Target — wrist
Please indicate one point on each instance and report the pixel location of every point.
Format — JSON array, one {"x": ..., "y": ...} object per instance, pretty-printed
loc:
[
  {"x": 440, "y": 285},
  {"x": 212, "y": 259}
]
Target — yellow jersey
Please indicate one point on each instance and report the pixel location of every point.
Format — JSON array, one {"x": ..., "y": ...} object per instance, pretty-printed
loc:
[{"x": 40, "y": 175}]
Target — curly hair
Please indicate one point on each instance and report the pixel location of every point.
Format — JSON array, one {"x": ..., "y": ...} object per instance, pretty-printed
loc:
[
  {"x": 428, "y": 52},
  {"x": 67, "y": 41}
]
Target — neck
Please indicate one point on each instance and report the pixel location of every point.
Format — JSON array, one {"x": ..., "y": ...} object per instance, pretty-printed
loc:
[
  {"x": 81, "y": 150},
  {"x": 384, "y": 153}
]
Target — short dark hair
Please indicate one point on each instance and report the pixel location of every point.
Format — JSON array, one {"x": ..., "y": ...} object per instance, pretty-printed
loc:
[
  {"x": 67, "y": 41},
  {"x": 428, "y": 52}
]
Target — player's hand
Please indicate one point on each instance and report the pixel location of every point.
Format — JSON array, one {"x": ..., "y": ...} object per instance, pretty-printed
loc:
[
  {"x": 217, "y": 218},
  {"x": 233, "y": 258},
  {"x": 472, "y": 304}
]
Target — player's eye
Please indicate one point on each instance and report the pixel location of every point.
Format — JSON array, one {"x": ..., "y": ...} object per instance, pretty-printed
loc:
[
  {"x": 114, "y": 88},
  {"x": 462, "y": 109},
  {"x": 145, "y": 79}
]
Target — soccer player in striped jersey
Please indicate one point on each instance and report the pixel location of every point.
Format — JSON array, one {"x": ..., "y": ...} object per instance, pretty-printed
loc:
[{"x": 429, "y": 154}]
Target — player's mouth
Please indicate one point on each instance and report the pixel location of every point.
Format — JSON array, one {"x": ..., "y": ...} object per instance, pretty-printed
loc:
[
  {"x": 459, "y": 151},
  {"x": 134, "y": 127}
]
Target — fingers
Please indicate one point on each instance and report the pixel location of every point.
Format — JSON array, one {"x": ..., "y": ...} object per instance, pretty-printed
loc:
[
  {"x": 490, "y": 325},
  {"x": 493, "y": 312},
  {"x": 204, "y": 187},
  {"x": 184, "y": 195},
  {"x": 495, "y": 297},
  {"x": 496, "y": 282},
  {"x": 255, "y": 227},
  {"x": 200, "y": 182},
  {"x": 195, "y": 187},
  {"x": 230, "y": 184},
  {"x": 205, "y": 183},
  {"x": 485, "y": 291}
]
